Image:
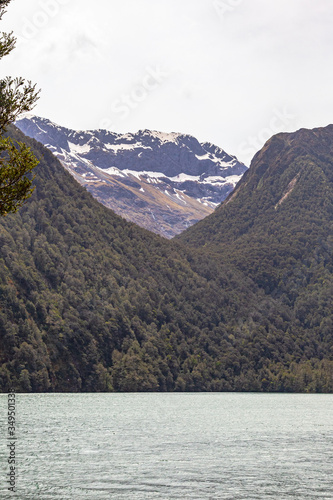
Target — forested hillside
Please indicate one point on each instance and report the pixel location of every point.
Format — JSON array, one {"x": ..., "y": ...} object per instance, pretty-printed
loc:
[
  {"x": 282, "y": 229},
  {"x": 91, "y": 302}
]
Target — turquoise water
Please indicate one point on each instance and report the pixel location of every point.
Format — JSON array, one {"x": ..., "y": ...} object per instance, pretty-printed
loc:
[{"x": 171, "y": 446}]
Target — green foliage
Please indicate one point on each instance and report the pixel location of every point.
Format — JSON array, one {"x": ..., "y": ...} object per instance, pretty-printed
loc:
[
  {"x": 16, "y": 97},
  {"x": 3, "y": 5},
  {"x": 7, "y": 43},
  {"x": 16, "y": 161}
]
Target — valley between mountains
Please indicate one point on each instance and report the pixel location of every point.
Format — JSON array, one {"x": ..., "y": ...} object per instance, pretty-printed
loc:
[{"x": 240, "y": 301}]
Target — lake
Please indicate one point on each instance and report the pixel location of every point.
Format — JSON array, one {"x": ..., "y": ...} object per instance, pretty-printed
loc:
[{"x": 171, "y": 446}]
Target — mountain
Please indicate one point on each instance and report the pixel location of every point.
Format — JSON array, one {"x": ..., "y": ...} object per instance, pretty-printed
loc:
[
  {"x": 91, "y": 302},
  {"x": 277, "y": 226},
  {"x": 163, "y": 182},
  {"x": 281, "y": 210}
]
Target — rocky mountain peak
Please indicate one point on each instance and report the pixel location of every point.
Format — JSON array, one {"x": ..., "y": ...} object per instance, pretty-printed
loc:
[{"x": 164, "y": 182}]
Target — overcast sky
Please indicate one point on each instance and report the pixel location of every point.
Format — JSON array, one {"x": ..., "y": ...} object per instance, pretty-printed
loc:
[{"x": 231, "y": 72}]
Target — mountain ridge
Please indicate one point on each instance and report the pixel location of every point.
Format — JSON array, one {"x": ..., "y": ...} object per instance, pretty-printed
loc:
[
  {"x": 284, "y": 170},
  {"x": 162, "y": 181},
  {"x": 282, "y": 213}
]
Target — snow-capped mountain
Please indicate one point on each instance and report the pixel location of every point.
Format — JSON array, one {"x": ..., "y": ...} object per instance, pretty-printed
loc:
[{"x": 162, "y": 181}]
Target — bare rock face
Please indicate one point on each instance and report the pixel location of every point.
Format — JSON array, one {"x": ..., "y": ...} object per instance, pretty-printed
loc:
[{"x": 163, "y": 182}]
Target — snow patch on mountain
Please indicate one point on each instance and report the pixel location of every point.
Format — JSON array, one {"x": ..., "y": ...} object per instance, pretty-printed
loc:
[
  {"x": 76, "y": 148},
  {"x": 170, "y": 175}
]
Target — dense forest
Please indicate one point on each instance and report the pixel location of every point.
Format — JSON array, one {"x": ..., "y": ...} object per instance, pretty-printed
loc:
[{"x": 240, "y": 302}]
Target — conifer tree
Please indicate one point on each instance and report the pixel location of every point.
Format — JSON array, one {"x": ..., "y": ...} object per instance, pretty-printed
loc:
[{"x": 16, "y": 159}]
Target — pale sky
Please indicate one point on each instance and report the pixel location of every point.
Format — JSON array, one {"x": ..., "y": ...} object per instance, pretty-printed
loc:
[{"x": 231, "y": 72}]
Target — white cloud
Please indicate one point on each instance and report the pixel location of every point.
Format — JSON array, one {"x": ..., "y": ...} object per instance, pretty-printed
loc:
[{"x": 224, "y": 75}]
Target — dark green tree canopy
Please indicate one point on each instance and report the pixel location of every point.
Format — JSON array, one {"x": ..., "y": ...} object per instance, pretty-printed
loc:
[{"x": 16, "y": 160}]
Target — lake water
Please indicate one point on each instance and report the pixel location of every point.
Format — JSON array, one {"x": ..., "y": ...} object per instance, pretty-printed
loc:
[{"x": 171, "y": 446}]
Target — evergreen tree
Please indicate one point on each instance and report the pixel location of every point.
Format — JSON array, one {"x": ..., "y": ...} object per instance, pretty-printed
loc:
[{"x": 16, "y": 159}]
